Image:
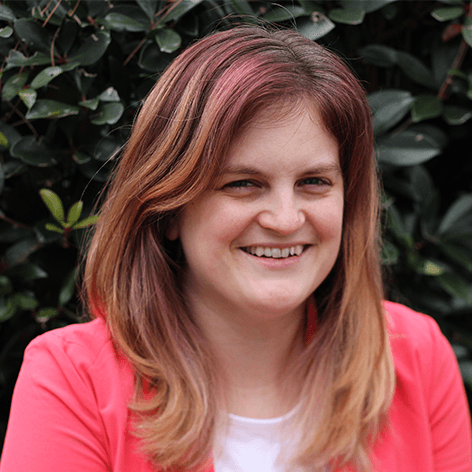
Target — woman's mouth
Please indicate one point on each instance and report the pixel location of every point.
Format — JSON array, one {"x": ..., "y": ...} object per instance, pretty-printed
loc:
[{"x": 274, "y": 252}]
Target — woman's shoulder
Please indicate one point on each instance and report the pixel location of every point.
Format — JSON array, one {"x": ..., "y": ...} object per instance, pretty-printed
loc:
[
  {"x": 79, "y": 340},
  {"x": 417, "y": 343},
  {"x": 86, "y": 349},
  {"x": 417, "y": 329}
]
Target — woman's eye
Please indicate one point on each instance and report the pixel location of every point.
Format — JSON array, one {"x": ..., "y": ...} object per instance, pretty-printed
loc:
[
  {"x": 240, "y": 184},
  {"x": 314, "y": 181}
]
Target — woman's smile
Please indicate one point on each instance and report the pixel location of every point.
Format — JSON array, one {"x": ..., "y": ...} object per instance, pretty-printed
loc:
[
  {"x": 274, "y": 252},
  {"x": 268, "y": 232}
]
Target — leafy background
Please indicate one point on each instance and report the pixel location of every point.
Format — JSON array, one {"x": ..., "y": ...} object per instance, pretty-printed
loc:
[{"x": 73, "y": 73}]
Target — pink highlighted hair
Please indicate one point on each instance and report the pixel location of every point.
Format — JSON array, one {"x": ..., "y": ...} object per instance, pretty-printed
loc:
[{"x": 179, "y": 140}]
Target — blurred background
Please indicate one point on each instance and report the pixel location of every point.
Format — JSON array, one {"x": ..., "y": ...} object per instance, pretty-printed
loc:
[{"x": 74, "y": 72}]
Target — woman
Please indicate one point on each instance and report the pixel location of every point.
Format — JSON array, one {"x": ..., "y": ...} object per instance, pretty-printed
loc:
[{"x": 235, "y": 281}]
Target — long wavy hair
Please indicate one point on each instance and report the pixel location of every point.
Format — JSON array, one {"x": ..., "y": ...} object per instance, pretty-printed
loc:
[{"x": 177, "y": 146}]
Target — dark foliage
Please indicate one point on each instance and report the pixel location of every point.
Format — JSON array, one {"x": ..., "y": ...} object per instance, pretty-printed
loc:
[{"x": 73, "y": 73}]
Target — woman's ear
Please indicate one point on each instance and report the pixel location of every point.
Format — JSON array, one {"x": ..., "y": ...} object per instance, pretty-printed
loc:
[{"x": 172, "y": 231}]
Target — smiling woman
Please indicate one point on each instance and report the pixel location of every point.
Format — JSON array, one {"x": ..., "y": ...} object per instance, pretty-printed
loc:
[{"x": 237, "y": 295}]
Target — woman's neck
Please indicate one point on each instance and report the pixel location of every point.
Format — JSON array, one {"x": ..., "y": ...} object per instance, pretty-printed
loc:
[{"x": 255, "y": 356}]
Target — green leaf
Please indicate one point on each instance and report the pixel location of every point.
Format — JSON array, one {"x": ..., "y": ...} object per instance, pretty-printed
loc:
[
  {"x": 467, "y": 31},
  {"x": 151, "y": 58},
  {"x": 415, "y": 69},
  {"x": 89, "y": 221},
  {"x": 407, "y": 148},
  {"x": 457, "y": 254},
  {"x": 91, "y": 50},
  {"x": 315, "y": 27},
  {"x": 379, "y": 55},
  {"x": 26, "y": 301},
  {"x": 282, "y": 13},
  {"x": 243, "y": 7},
  {"x": 432, "y": 268},
  {"x": 108, "y": 113},
  {"x": 390, "y": 11},
  {"x": 11, "y": 134},
  {"x": 6, "y": 32},
  {"x": 455, "y": 286},
  {"x": 13, "y": 85},
  {"x": 91, "y": 104},
  {"x": 179, "y": 9},
  {"x": 6, "y": 14},
  {"x": 3, "y": 140},
  {"x": 426, "y": 107},
  {"x": 45, "y": 314},
  {"x": 390, "y": 253},
  {"x": 32, "y": 153},
  {"x": 68, "y": 287},
  {"x": 2, "y": 178},
  {"x": 447, "y": 13},
  {"x": 28, "y": 97},
  {"x": 5, "y": 285},
  {"x": 54, "y": 228},
  {"x": 395, "y": 224},
  {"x": 53, "y": 203},
  {"x": 81, "y": 157},
  {"x": 120, "y": 22},
  {"x": 16, "y": 59},
  {"x": 32, "y": 34},
  {"x": 109, "y": 95},
  {"x": 367, "y": 5},
  {"x": 27, "y": 272},
  {"x": 148, "y": 7},
  {"x": 458, "y": 215},
  {"x": 45, "y": 76},
  {"x": 7, "y": 308},
  {"x": 348, "y": 16},
  {"x": 51, "y": 109},
  {"x": 389, "y": 107},
  {"x": 433, "y": 132},
  {"x": 456, "y": 115},
  {"x": 74, "y": 213},
  {"x": 168, "y": 40},
  {"x": 21, "y": 250},
  {"x": 106, "y": 149},
  {"x": 466, "y": 372}
]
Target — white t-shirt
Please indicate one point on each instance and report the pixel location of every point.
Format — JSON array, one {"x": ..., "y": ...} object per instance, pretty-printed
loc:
[{"x": 255, "y": 445}]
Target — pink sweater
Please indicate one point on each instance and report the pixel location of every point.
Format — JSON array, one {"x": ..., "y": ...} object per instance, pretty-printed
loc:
[{"x": 69, "y": 408}]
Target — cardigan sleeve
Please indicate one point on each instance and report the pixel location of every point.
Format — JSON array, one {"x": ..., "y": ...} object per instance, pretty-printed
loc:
[
  {"x": 431, "y": 426},
  {"x": 54, "y": 423},
  {"x": 447, "y": 407}
]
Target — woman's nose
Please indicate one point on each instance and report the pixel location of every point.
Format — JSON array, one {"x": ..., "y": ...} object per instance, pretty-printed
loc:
[{"x": 282, "y": 212}]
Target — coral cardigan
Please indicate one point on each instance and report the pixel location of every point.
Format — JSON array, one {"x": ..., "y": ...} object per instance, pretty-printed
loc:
[{"x": 69, "y": 408}]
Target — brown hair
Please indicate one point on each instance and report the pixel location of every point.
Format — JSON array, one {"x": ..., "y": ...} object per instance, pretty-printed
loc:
[{"x": 179, "y": 139}]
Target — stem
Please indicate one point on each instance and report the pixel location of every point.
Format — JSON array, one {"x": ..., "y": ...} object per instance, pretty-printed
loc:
[
  {"x": 457, "y": 63},
  {"x": 51, "y": 52},
  {"x": 30, "y": 126},
  {"x": 72, "y": 13},
  {"x": 52, "y": 12},
  {"x": 136, "y": 49},
  {"x": 14, "y": 223}
]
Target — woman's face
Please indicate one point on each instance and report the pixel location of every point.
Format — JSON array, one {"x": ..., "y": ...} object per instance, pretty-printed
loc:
[{"x": 268, "y": 233}]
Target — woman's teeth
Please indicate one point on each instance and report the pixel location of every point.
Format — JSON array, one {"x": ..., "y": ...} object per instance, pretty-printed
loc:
[{"x": 274, "y": 252}]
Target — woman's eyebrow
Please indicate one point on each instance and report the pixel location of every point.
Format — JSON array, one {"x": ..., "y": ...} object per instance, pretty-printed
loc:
[
  {"x": 240, "y": 169},
  {"x": 243, "y": 169}
]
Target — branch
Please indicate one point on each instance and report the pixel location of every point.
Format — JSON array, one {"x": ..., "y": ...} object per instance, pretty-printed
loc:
[
  {"x": 52, "y": 12},
  {"x": 51, "y": 52},
  {"x": 23, "y": 118},
  {"x": 457, "y": 63}
]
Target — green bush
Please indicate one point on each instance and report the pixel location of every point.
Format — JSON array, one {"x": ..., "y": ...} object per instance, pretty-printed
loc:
[{"x": 74, "y": 72}]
